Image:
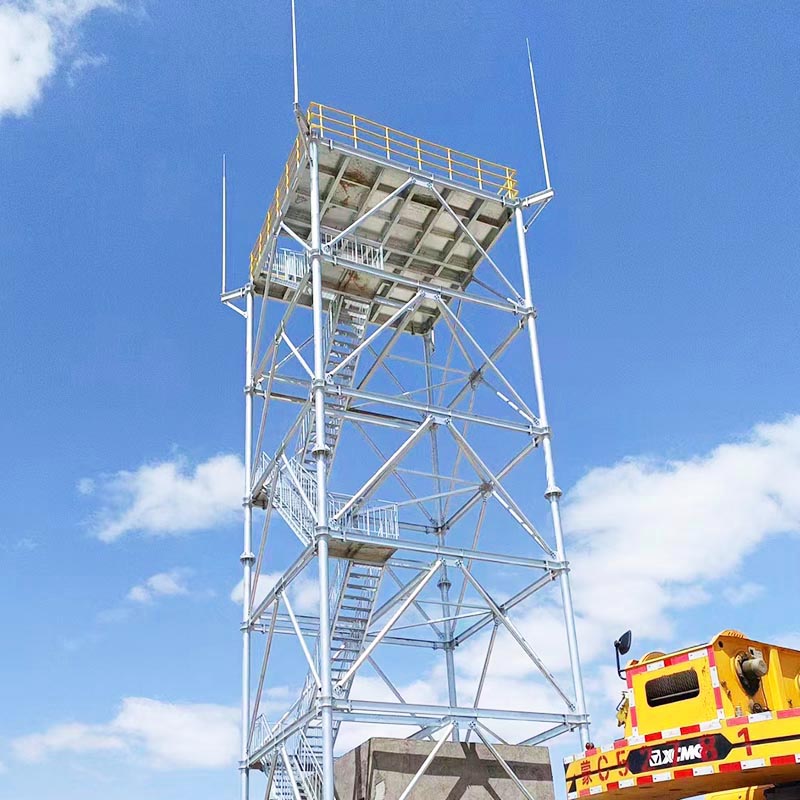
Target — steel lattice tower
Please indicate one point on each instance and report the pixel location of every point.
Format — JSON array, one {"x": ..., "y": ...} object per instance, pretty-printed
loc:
[{"x": 388, "y": 353}]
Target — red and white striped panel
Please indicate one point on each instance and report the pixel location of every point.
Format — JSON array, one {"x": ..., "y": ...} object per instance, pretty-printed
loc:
[{"x": 687, "y": 772}]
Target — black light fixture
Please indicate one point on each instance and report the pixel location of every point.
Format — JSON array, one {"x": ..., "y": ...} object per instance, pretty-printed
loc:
[{"x": 621, "y": 647}]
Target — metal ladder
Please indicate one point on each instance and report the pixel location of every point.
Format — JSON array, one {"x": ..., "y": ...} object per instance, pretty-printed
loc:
[{"x": 346, "y": 329}]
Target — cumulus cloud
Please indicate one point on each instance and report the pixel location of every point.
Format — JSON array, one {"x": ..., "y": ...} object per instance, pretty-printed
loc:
[
  {"x": 73, "y": 737},
  {"x": 169, "y": 497},
  {"x": 36, "y": 36},
  {"x": 666, "y": 530},
  {"x": 162, "y": 584},
  {"x": 85, "y": 486},
  {"x": 162, "y": 735}
]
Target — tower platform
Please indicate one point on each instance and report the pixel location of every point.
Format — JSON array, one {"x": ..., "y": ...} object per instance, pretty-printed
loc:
[{"x": 394, "y": 183}]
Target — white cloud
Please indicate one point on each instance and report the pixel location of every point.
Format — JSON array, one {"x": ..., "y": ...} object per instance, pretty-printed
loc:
[
  {"x": 35, "y": 37},
  {"x": 162, "y": 584},
  {"x": 163, "y": 735},
  {"x": 85, "y": 486},
  {"x": 666, "y": 530},
  {"x": 169, "y": 497},
  {"x": 175, "y": 735},
  {"x": 73, "y": 737}
]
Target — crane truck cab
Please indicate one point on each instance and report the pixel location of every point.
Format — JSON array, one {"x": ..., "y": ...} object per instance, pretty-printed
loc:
[{"x": 718, "y": 717}]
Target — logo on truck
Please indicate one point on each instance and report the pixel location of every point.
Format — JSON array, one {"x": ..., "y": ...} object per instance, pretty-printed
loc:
[{"x": 678, "y": 753}]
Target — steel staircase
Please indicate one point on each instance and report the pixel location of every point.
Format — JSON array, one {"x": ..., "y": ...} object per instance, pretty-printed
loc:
[
  {"x": 356, "y": 591},
  {"x": 289, "y": 484},
  {"x": 346, "y": 329}
]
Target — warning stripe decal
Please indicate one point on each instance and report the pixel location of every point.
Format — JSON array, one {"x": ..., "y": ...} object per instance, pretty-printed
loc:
[{"x": 686, "y": 772}]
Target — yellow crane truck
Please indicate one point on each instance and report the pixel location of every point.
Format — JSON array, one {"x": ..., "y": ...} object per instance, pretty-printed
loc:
[{"x": 721, "y": 718}]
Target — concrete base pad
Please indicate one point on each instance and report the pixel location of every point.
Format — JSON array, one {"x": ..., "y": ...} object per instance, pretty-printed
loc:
[{"x": 380, "y": 769}]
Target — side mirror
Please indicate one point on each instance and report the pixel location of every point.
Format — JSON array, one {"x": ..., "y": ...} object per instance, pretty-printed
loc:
[{"x": 621, "y": 647}]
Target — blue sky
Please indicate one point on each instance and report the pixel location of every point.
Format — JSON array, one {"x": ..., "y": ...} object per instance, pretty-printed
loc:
[{"x": 665, "y": 278}]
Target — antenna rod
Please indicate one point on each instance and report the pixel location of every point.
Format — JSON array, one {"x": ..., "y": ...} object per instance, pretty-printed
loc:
[
  {"x": 538, "y": 116},
  {"x": 294, "y": 59},
  {"x": 224, "y": 224}
]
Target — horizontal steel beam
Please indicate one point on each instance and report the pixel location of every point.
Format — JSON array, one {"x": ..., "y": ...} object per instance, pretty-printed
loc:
[
  {"x": 508, "y": 307},
  {"x": 443, "y": 412},
  {"x": 284, "y": 628},
  {"x": 455, "y": 553},
  {"x": 464, "y": 712}
]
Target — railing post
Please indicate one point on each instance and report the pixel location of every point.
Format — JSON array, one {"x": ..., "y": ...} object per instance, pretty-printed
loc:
[
  {"x": 388, "y": 147},
  {"x": 355, "y": 132},
  {"x": 419, "y": 155},
  {"x": 450, "y": 163},
  {"x": 480, "y": 177}
]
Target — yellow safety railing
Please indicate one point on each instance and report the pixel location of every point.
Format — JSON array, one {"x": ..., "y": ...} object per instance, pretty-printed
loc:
[
  {"x": 393, "y": 145},
  {"x": 372, "y": 137},
  {"x": 273, "y": 213}
]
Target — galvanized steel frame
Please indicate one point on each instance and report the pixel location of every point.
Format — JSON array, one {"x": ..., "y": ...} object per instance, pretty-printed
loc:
[{"x": 431, "y": 416}]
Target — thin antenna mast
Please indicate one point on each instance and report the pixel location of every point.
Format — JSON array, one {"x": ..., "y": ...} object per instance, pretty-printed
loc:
[
  {"x": 538, "y": 116},
  {"x": 224, "y": 224},
  {"x": 294, "y": 60}
]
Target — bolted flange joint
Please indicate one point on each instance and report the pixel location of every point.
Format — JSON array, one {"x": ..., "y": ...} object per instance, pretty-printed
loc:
[
  {"x": 247, "y": 558},
  {"x": 552, "y": 491}
]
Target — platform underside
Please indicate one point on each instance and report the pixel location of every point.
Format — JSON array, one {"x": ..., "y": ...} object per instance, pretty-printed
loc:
[{"x": 420, "y": 239}]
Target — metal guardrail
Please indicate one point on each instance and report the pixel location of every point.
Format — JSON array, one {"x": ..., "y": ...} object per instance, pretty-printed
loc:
[
  {"x": 393, "y": 145},
  {"x": 380, "y": 521},
  {"x": 354, "y": 248},
  {"x": 274, "y": 210},
  {"x": 373, "y": 138},
  {"x": 289, "y": 266}
]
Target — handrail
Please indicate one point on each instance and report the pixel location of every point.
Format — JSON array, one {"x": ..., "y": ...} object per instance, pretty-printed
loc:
[
  {"x": 363, "y": 133},
  {"x": 273, "y": 212}
]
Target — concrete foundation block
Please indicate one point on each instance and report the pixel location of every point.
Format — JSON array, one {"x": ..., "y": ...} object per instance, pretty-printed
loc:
[{"x": 381, "y": 769}]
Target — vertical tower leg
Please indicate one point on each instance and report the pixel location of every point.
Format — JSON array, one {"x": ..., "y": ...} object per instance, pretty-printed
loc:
[
  {"x": 320, "y": 454},
  {"x": 444, "y": 581},
  {"x": 552, "y": 493},
  {"x": 247, "y": 555}
]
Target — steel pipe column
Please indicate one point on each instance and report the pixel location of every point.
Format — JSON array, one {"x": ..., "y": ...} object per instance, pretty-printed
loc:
[
  {"x": 321, "y": 458},
  {"x": 552, "y": 492},
  {"x": 247, "y": 554}
]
